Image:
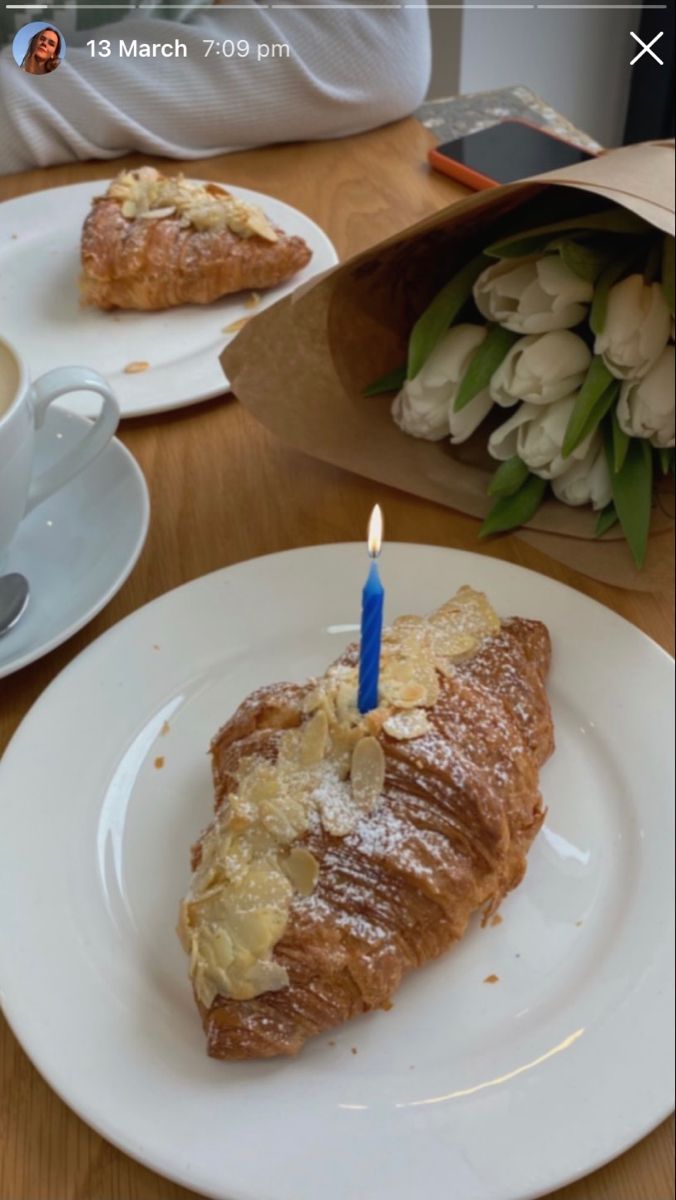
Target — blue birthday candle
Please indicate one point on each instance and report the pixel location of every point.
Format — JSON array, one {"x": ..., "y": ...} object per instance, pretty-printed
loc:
[{"x": 372, "y": 599}]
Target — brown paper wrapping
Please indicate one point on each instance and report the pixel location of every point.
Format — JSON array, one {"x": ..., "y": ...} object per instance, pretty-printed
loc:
[{"x": 301, "y": 366}]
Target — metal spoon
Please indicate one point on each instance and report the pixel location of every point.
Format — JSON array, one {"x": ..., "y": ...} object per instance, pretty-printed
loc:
[{"x": 14, "y": 593}]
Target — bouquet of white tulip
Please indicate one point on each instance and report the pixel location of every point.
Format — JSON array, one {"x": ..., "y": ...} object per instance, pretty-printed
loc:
[{"x": 571, "y": 325}]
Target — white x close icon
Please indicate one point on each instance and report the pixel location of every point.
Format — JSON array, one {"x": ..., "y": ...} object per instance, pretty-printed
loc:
[{"x": 646, "y": 48}]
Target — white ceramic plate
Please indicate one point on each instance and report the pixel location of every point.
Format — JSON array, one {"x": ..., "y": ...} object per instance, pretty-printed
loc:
[
  {"x": 464, "y": 1089},
  {"x": 42, "y": 316},
  {"x": 78, "y": 547}
]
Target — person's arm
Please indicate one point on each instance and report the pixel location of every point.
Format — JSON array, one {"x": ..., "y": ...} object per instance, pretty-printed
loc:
[{"x": 347, "y": 71}]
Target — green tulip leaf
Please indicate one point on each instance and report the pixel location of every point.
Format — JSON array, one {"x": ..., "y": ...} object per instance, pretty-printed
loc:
[
  {"x": 441, "y": 313},
  {"x": 596, "y": 396},
  {"x": 632, "y": 494},
  {"x": 607, "y": 518},
  {"x": 509, "y": 477},
  {"x": 586, "y": 259},
  {"x": 483, "y": 364},
  {"x": 620, "y": 444},
  {"x": 668, "y": 271},
  {"x": 523, "y": 247},
  {"x": 611, "y": 220},
  {"x": 392, "y": 382},
  {"x": 509, "y": 512}
]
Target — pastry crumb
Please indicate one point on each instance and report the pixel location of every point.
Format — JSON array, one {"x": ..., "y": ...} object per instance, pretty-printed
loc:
[
  {"x": 252, "y": 300},
  {"x": 577, "y": 924},
  {"x": 332, "y": 1043},
  {"x": 159, "y": 762},
  {"x": 236, "y": 325},
  {"x": 165, "y": 729},
  {"x": 492, "y": 979},
  {"x": 353, "y": 1049},
  {"x": 135, "y": 368},
  {"x": 497, "y": 919},
  {"x": 155, "y": 646}
]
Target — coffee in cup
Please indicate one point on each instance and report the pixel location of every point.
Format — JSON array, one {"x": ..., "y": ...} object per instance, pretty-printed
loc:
[{"x": 9, "y": 379}]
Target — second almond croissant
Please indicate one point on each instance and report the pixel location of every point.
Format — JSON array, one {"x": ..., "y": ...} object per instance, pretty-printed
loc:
[
  {"x": 155, "y": 241},
  {"x": 347, "y": 850}
]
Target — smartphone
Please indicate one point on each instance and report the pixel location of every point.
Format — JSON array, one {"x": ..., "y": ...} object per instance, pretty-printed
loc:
[{"x": 508, "y": 151}]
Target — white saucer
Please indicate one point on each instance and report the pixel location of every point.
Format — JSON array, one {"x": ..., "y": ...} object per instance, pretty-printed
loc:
[
  {"x": 77, "y": 548},
  {"x": 42, "y": 316}
]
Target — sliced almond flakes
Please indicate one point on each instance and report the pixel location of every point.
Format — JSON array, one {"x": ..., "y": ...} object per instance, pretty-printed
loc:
[{"x": 367, "y": 773}]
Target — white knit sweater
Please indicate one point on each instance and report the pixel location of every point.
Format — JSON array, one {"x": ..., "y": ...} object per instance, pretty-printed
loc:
[{"x": 348, "y": 70}]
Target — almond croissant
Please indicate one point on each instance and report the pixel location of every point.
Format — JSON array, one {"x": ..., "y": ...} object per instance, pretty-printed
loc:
[
  {"x": 153, "y": 242},
  {"x": 346, "y": 850}
]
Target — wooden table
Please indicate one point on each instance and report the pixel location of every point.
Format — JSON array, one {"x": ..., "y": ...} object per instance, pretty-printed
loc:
[{"x": 360, "y": 190}]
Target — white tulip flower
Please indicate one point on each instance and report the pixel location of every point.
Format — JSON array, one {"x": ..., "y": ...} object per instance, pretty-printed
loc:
[
  {"x": 637, "y": 328},
  {"x": 541, "y": 369},
  {"x": 586, "y": 480},
  {"x": 536, "y": 434},
  {"x": 532, "y": 295},
  {"x": 422, "y": 411},
  {"x": 424, "y": 406},
  {"x": 645, "y": 408}
]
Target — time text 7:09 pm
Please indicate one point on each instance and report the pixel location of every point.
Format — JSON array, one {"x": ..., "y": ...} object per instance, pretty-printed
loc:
[{"x": 260, "y": 51}]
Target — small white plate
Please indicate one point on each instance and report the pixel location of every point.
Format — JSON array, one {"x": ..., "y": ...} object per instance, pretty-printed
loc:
[
  {"x": 78, "y": 547},
  {"x": 464, "y": 1089},
  {"x": 43, "y": 318}
]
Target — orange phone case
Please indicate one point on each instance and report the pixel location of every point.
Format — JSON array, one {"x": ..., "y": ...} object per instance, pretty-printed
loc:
[
  {"x": 474, "y": 179},
  {"x": 458, "y": 171}
]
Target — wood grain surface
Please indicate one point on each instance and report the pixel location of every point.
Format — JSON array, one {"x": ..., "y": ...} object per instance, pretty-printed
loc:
[{"x": 223, "y": 490}]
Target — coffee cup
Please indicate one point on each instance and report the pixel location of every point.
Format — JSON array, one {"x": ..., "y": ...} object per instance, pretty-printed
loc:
[{"x": 23, "y": 406}]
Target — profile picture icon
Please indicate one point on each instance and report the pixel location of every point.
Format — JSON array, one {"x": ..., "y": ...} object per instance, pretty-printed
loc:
[{"x": 38, "y": 48}]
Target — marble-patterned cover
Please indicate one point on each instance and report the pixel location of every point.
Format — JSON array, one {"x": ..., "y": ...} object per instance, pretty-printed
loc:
[{"x": 457, "y": 115}]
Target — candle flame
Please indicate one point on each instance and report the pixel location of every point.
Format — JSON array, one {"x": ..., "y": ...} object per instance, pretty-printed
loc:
[{"x": 375, "y": 533}]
